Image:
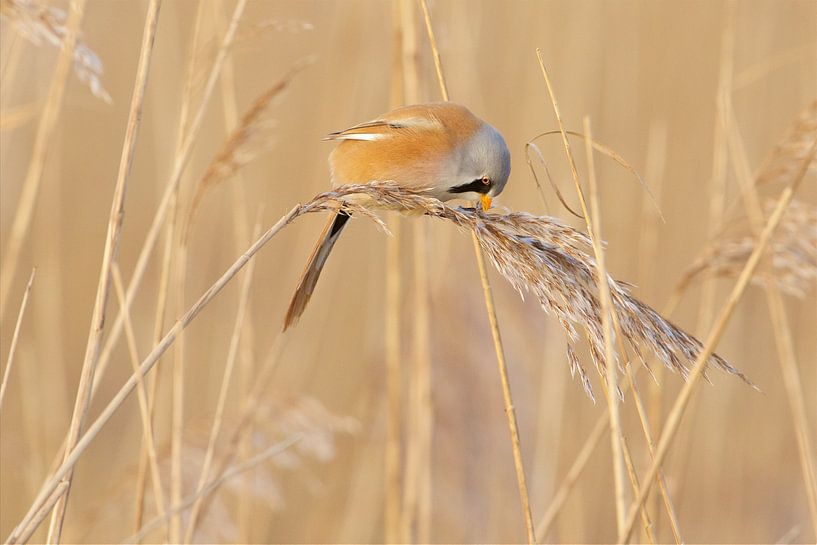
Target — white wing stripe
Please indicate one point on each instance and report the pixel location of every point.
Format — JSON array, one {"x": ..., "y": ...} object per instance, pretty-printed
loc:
[{"x": 361, "y": 136}]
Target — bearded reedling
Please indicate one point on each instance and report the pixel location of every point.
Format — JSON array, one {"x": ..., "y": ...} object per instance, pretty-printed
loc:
[{"x": 441, "y": 149}]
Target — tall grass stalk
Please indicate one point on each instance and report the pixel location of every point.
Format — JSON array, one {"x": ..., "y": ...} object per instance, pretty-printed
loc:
[
  {"x": 612, "y": 381},
  {"x": 241, "y": 234},
  {"x": 115, "y": 220},
  {"x": 39, "y": 153},
  {"x": 148, "y": 436},
  {"x": 393, "y": 485},
  {"x": 177, "y": 276},
  {"x": 493, "y": 321},
  {"x": 594, "y": 229},
  {"x": 15, "y": 337}
]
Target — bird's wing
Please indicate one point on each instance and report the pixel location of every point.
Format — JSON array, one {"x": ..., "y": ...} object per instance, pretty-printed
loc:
[
  {"x": 394, "y": 123},
  {"x": 371, "y": 130}
]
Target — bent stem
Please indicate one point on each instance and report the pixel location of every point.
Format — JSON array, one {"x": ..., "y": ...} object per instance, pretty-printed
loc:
[{"x": 47, "y": 497}]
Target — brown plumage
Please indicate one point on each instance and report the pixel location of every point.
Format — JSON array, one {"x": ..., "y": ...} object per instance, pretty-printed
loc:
[{"x": 441, "y": 149}]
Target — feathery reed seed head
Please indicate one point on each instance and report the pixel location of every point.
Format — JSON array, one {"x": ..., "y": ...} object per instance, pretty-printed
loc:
[
  {"x": 792, "y": 251},
  {"x": 40, "y": 23},
  {"x": 549, "y": 259},
  {"x": 791, "y": 151}
]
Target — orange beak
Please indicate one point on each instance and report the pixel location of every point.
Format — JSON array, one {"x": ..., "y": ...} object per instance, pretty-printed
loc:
[{"x": 486, "y": 202}]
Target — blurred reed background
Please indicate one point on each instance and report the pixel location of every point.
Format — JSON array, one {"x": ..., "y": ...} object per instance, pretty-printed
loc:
[{"x": 696, "y": 96}]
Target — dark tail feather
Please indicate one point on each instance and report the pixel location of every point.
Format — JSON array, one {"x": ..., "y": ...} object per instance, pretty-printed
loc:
[{"x": 314, "y": 266}]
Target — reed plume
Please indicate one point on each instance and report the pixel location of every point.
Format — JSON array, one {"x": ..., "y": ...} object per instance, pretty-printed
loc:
[
  {"x": 40, "y": 24},
  {"x": 791, "y": 150},
  {"x": 792, "y": 252},
  {"x": 246, "y": 141},
  {"x": 549, "y": 259}
]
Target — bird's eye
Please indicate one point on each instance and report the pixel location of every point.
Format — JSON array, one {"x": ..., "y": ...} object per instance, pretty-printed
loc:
[{"x": 486, "y": 180}]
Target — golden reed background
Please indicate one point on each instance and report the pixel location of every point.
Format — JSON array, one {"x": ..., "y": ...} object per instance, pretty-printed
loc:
[{"x": 644, "y": 72}]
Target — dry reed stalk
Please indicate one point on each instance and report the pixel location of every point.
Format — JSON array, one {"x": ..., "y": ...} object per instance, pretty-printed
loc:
[
  {"x": 210, "y": 487},
  {"x": 421, "y": 379},
  {"x": 116, "y": 218},
  {"x": 510, "y": 412},
  {"x": 675, "y": 525},
  {"x": 631, "y": 474},
  {"x": 403, "y": 85},
  {"x": 142, "y": 395},
  {"x": 605, "y": 303},
  {"x": 415, "y": 516},
  {"x": 153, "y": 378},
  {"x": 610, "y": 324},
  {"x": 697, "y": 371},
  {"x": 174, "y": 180},
  {"x": 648, "y": 242},
  {"x": 422, "y": 364},
  {"x": 178, "y": 378},
  {"x": 35, "y": 522},
  {"x": 39, "y": 154},
  {"x": 593, "y": 221},
  {"x": 241, "y": 233},
  {"x": 392, "y": 454},
  {"x": 177, "y": 282},
  {"x": 15, "y": 337},
  {"x": 232, "y": 355},
  {"x": 414, "y": 449},
  {"x": 649, "y": 528},
  {"x": 780, "y": 323}
]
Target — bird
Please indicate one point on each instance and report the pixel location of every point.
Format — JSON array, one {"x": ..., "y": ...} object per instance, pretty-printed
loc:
[{"x": 440, "y": 148}]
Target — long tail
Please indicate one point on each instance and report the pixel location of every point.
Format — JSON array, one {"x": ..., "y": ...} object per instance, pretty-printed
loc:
[{"x": 314, "y": 267}]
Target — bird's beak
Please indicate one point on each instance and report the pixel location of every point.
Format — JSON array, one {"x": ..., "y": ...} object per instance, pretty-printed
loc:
[{"x": 486, "y": 202}]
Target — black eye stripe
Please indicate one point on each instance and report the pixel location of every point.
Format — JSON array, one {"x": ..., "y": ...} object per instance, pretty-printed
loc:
[{"x": 477, "y": 186}]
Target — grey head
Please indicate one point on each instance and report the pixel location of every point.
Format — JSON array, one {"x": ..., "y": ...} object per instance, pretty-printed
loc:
[{"x": 484, "y": 165}]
